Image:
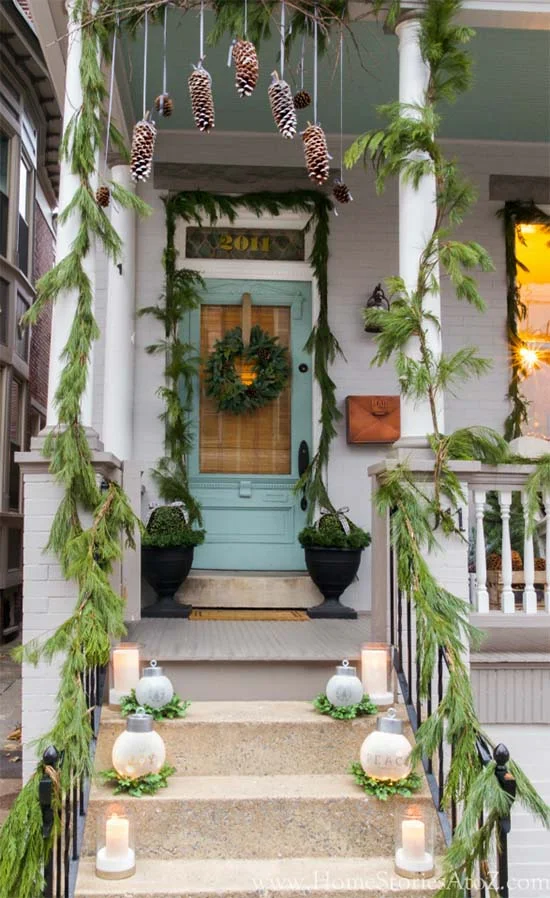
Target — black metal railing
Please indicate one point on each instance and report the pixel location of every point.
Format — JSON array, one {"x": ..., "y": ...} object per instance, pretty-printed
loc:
[
  {"x": 61, "y": 868},
  {"x": 403, "y": 638}
]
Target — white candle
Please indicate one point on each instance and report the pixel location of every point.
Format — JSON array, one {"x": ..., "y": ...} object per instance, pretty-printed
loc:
[
  {"x": 117, "y": 836},
  {"x": 125, "y": 672},
  {"x": 374, "y": 674},
  {"x": 115, "y": 859},
  {"x": 413, "y": 835}
]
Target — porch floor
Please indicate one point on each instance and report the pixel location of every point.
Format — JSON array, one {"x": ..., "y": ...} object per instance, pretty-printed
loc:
[{"x": 265, "y": 641}]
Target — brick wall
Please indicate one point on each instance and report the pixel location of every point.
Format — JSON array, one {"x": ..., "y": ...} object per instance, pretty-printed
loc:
[{"x": 43, "y": 260}]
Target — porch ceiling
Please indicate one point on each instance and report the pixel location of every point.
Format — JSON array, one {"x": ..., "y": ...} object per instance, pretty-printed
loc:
[{"x": 509, "y": 100}]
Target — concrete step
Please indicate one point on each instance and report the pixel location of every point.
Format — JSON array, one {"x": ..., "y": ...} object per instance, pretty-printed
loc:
[
  {"x": 250, "y": 738},
  {"x": 257, "y": 817},
  {"x": 249, "y": 589},
  {"x": 321, "y": 877}
]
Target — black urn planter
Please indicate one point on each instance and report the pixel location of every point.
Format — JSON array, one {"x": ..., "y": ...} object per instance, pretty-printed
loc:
[
  {"x": 332, "y": 571},
  {"x": 165, "y": 569}
]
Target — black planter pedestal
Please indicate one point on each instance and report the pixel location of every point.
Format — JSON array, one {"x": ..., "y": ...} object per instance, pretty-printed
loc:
[
  {"x": 165, "y": 569},
  {"x": 332, "y": 571}
]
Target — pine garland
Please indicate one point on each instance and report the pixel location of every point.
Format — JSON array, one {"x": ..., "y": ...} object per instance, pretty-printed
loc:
[
  {"x": 513, "y": 214},
  {"x": 175, "y": 709},
  {"x": 408, "y": 147},
  {"x": 86, "y": 555},
  {"x": 364, "y": 708},
  {"x": 195, "y": 206},
  {"x": 148, "y": 784},
  {"x": 384, "y": 789}
]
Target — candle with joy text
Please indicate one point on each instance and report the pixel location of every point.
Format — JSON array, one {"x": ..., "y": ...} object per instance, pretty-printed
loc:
[
  {"x": 124, "y": 672},
  {"x": 375, "y": 673},
  {"x": 115, "y": 856}
]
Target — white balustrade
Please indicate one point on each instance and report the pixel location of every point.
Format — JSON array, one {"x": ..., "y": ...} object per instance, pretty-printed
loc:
[
  {"x": 507, "y": 594},
  {"x": 529, "y": 594},
  {"x": 546, "y": 503},
  {"x": 481, "y": 593}
]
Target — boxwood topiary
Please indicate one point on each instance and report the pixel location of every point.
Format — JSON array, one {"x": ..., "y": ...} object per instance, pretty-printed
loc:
[
  {"x": 329, "y": 533},
  {"x": 168, "y": 528}
]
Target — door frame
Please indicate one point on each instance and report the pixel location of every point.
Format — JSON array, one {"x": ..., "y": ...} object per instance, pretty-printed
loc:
[{"x": 264, "y": 270}]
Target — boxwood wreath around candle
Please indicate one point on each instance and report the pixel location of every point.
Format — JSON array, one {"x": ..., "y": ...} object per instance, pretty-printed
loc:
[{"x": 242, "y": 378}]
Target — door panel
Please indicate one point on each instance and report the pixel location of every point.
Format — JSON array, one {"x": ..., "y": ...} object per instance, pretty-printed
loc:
[{"x": 243, "y": 467}]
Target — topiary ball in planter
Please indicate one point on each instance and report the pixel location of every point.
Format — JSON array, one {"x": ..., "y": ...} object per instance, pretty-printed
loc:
[
  {"x": 167, "y": 548},
  {"x": 333, "y": 549}
]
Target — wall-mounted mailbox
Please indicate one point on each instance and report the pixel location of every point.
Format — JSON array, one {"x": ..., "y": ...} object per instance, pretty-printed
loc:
[{"x": 373, "y": 419}]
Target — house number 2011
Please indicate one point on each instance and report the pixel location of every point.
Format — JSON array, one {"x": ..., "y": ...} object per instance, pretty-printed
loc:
[{"x": 242, "y": 243}]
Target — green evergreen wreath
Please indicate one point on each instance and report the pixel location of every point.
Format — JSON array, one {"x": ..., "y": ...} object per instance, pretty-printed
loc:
[{"x": 269, "y": 363}]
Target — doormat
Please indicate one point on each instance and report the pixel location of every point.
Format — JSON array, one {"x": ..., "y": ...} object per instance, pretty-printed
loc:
[{"x": 247, "y": 614}]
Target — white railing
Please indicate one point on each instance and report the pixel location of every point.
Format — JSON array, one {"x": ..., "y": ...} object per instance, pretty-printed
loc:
[{"x": 515, "y": 581}]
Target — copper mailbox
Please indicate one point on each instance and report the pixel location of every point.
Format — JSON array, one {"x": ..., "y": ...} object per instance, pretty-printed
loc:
[{"x": 373, "y": 419}]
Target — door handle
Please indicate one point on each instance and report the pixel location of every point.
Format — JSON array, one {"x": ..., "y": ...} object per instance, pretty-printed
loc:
[{"x": 303, "y": 465}]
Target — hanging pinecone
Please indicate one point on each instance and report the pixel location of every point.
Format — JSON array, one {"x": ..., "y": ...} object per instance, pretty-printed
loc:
[
  {"x": 164, "y": 105},
  {"x": 200, "y": 91},
  {"x": 143, "y": 147},
  {"x": 302, "y": 99},
  {"x": 316, "y": 153},
  {"x": 340, "y": 192},
  {"x": 103, "y": 197},
  {"x": 282, "y": 106},
  {"x": 247, "y": 67}
]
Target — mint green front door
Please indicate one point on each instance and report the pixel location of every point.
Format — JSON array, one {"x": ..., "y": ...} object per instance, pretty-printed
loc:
[{"x": 243, "y": 467}]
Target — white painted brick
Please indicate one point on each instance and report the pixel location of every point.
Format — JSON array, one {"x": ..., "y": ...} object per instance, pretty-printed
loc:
[
  {"x": 36, "y": 571},
  {"x": 41, "y": 507},
  {"x": 38, "y": 523},
  {"x": 62, "y": 604}
]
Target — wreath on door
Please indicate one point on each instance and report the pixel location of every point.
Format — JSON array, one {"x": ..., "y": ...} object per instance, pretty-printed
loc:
[{"x": 241, "y": 378}]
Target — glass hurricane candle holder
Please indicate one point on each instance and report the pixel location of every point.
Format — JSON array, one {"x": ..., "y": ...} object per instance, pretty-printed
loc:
[
  {"x": 414, "y": 843},
  {"x": 345, "y": 687},
  {"x": 115, "y": 855},
  {"x": 124, "y": 671},
  {"x": 376, "y": 672},
  {"x": 154, "y": 688}
]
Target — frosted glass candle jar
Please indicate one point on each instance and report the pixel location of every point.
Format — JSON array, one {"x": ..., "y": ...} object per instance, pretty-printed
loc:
[
  {"x": 124, "y": 671},
  {"x": 376, "y": 672},
  {"x": 154, "y": 688},
  {"x": 345, "y": 687},
  {"x": 385, "y": 754},
  {"x": 139, "y": 750},
  {"x": 414, "y": 843},
  {"x": 115, "y": 855}
]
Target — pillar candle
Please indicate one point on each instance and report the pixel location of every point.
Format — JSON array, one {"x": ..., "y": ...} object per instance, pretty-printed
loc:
[
  {"x": 117, "y": 837},
  {"x": 413, "y": 839},
  {"x": 125, "y": 671}
]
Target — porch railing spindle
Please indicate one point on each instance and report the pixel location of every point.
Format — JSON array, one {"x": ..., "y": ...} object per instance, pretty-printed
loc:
[
  {"x": 529, "y": 594},
  {"x": 508, "y": 600},
  {"x": 482, "y": 595}
]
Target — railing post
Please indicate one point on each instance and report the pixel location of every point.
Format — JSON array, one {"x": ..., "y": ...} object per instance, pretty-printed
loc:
[
  {"x": 508, "y": 783},
  {"x": 45, "y": 795},
  {"x": 529, "y": 594}
]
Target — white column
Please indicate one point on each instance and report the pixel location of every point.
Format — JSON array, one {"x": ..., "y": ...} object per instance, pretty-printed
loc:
[
  {"x": 65, "y": 306},
  {"x": 417, "y": 213},
  {"x": 482, "y": 595},
  {"x": 118, "y": 399}
]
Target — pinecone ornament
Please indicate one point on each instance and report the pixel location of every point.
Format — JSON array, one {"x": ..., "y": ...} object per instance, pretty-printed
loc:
[
  {"x": 282, "y": 106},
  {"x": 340, "y": 192},
  {"x": 164, "y": 105},
  {"x": 316, "y": 153},
  {"x": 103, "y": 197},
  {"x": 247, "y": 67},
  {"x": 200, "y": 91},
  {"x": 302, "y": 99},
  {"x": 540, "y": 564},
  {"x": 517, "y": 561},
  {"x": 143, "y": 147}
]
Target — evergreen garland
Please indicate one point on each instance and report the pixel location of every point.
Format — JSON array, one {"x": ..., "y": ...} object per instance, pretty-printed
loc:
[
  {"x": 194, "y": 207},
  {"x": 148, "y": 784},
  {"x": 86, "y": 554},
  {"x": 513, "y": 214},
  {"x": 364, "y": 708},
  {"x": 174, "y": 709},
  {"x": 408, "y": 147},
  {"x": 384, "y": 789},
  {"x": 269, "y": 365}
]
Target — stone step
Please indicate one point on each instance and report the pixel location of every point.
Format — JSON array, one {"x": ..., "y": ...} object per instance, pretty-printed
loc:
[
  {"x": 320, "y": 877},
  {"x": 249, "y": 589},
  {"x": 250, "y": 738},
  {"x": 257, "y": 817}
]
